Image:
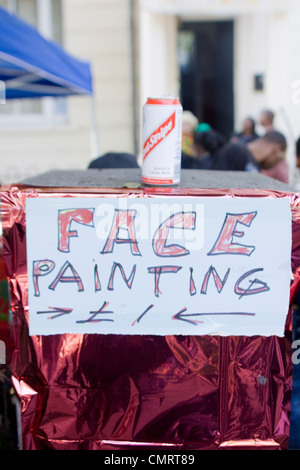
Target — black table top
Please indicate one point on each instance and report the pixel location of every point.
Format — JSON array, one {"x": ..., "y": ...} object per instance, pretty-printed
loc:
[{"x": 120, "y": 178}]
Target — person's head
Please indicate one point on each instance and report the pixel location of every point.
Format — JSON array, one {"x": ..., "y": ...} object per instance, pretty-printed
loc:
[
  {"x": 269, "y": 149},
  {"x": 248, "y": 126},
  {"x": 267, "y": 118},
  {"x": 277, "y": 139},
  {"x": 114, "y": 160},
  {"x": 208, "y": 141},
  {"x": 189, "y": 123}
]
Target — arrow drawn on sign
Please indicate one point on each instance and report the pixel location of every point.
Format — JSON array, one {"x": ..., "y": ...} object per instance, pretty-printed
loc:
[
  {"x": 183, "y": 316},
  {"x": 58, "y": 310},
  {"x": 180, "y": 316}
]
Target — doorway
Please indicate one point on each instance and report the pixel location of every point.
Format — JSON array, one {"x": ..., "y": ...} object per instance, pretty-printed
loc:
[{"x": 205, "y": 54}]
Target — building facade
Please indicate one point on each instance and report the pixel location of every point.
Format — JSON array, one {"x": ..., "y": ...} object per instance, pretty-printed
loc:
[{"x": 247, "y": 50}]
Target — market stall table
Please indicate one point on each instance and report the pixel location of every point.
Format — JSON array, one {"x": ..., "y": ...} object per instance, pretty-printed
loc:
[{"x": 177, "y": 380}]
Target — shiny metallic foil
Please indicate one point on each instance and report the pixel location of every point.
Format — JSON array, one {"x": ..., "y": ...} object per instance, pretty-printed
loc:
[{"x": 119, "y": 392}]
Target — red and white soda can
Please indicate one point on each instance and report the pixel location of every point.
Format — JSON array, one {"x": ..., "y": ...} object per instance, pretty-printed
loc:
[{"x": 162, "y": 137}]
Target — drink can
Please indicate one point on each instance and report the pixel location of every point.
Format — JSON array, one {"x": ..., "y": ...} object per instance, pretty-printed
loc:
[{"x": 162, "y": 137}]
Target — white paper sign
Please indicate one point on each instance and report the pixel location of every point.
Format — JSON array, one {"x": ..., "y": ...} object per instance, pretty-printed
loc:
[{"x": 159, "y": 266}]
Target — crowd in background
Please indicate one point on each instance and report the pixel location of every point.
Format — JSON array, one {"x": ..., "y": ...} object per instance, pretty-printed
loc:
[
  {"x": 204, "y": 148},
  {"x": 246, "y": 150}
]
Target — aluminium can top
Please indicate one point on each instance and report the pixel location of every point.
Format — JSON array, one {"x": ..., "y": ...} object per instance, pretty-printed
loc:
[{"x": 164, "y": 100}]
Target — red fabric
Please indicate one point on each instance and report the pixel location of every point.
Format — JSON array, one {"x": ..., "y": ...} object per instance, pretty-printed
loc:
[{"x": 123, "y": 392}]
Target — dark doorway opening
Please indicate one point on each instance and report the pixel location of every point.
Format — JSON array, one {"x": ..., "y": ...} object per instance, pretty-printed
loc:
[{"x": 205, "y": 53}]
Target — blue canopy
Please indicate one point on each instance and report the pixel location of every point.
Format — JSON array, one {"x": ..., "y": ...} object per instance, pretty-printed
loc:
[{"x": 31, "y": 66}]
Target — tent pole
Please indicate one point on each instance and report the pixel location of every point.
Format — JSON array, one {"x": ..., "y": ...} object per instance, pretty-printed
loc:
[
  {"x": 94, "y": 133},
  {"x": 134, "y": 80}
]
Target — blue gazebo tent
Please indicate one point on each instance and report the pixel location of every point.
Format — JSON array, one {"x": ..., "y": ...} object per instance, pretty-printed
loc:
[{"x": 32, "y": 66}]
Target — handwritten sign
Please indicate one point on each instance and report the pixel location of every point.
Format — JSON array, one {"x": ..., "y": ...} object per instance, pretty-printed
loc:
[{"x": 159, "y": 266}]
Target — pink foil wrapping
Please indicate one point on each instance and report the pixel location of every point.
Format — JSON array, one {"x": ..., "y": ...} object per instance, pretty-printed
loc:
[{"x": 115, "y": 392}]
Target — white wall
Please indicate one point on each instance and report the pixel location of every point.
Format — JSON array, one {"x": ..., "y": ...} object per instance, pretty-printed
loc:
[
  {"x": 158, "y": 60},
  {"x": 269, "y": 44},
  {"x": 100, "y": 31},
  {"x": 251, "y": 38},
  {"x": 97, "y": 31},
  {"x": 158, "y": 67}
]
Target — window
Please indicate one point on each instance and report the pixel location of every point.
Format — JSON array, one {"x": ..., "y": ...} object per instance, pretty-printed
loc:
[{"x": 46, "y": 16}]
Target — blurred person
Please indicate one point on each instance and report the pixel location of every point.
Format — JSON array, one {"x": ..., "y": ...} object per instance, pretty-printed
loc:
[
  {"x": 267, "y": 120},
  {"x": 206, "y": 142},
  {"x": 189, "y": 124},
  {"x": 213, "y": 152},
  {"x": 114, "y": 160},
  {"x": 269, "y": 152},
  {"x": 234, "y": 156},
  {"x": 248, "y": 132}
]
